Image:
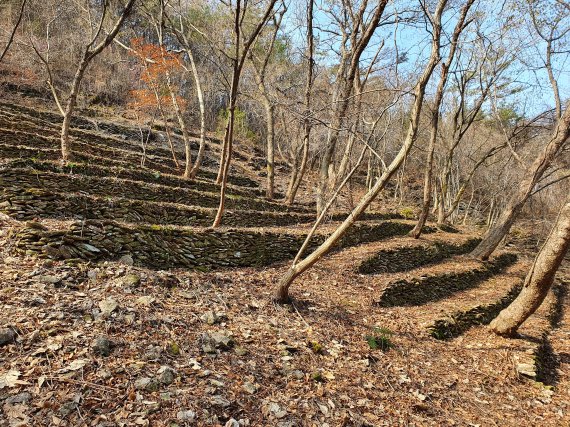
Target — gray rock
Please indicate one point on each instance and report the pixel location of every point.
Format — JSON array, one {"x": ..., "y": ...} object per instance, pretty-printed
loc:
[
  {"x": 48, "y": 279},
  {"x": 93, "y": 274},
  {"x": 108, "y": 306},
  {"x": 104, "y": 374},
  {"x": 131, "y": 280},
  {"x": 275, "y": 410},
  {"x": 250, "y": 388},
  {"x": 210, "y": 317},
  {"x": 19, "y": 398},
  {"x": 147, "y": 384},
  {"x": 241, "y": 351},
  {"x": 126, "y": 259},
  {"x": 232, "y": 423},
  {"x": 7, "y": 335},
  {"x": 166, "y": 375},
  {"x": 187, "y": 415},
  {"x": 221, "y": 401},
  {"x": 67, "y": 408},
  {"x": 217, "y": 341},
  {"x": 102, "y": 346},
  {"x": 153, "y": 353}
]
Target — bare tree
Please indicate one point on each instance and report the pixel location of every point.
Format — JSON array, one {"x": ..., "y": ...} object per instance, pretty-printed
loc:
[
  {"x": 260, "y": 67},
  {"x": 90, "y": 51},
  {"x": 282, "y": 291},
  {"x": 539, "y": 279},
  {"x": 13, "y": 32},
  {"x": 357, "y": 31},
  {"x": 181, "y": 33},
  {"x": 434, "y": 125},
  {"x": 298, "y": 169},
  {"x": 556, "y": 144},
  {"x": 241, "y": 50}
]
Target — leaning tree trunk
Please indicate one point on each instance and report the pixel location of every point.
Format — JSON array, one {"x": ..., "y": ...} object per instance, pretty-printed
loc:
[
  {"x": 282, "y": 292},
  {"x": 524, "y": 189},
  {"x": 539, "y": 279}
]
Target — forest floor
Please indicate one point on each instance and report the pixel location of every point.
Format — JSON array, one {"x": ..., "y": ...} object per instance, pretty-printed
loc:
[
  {"x": 303, "y": 364},
  {"x": 112, "y": 343}
]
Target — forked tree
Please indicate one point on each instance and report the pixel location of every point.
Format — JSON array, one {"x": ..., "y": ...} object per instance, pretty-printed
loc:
[
  {"x": 539, "y": 279},
  {"x": 434, "y": 119},
  {"x": 282, "y": 291},
  {"x": 301, "y": 155},
  {"x": 242, "y": 43},
  {"x": 357, "y": 24},
  {"x": 100, "y": 39},
  {"x": 553, "y": 34}
]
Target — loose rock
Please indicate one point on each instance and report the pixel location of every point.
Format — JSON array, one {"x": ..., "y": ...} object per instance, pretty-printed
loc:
[
  {"x": 7, "y": 335},
  {"x": 102, "y": 346}
]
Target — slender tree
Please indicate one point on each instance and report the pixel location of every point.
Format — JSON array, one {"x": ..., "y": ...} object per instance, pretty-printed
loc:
[
  {"x": 89, "y": 52},
  {"x": 297, "y": 173},
  {"x": 242, "y": 44},
  {"x": 13, "y": 32},
  {"x": 434, "y": 125}
]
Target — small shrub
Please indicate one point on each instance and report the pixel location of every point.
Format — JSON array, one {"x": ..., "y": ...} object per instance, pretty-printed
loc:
[
  {"x": 315, "y": 347},
  {"x": 380, "y": 339},
  {"x": 317, "y": 376},
  {"x": 408, "y": 213}
]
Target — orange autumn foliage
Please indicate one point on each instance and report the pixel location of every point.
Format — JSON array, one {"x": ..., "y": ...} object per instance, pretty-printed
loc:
[{"x": 156, "y": 62}]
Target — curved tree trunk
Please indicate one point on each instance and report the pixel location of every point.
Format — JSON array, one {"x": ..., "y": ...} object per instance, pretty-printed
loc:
[
  {"x": 539, "y": 279},
  {"x": 524, "y": 190}
]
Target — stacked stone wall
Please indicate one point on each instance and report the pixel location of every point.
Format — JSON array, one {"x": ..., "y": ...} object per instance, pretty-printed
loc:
[
  {"x": 418, "y": 291},
  {"x": 164, "y": 247}
]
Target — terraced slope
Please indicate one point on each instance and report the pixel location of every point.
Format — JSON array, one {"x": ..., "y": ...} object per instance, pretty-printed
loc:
[{"x": 69, "y": 225}]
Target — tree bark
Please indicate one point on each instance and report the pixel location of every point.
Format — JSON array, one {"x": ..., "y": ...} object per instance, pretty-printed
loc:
[
  {"x": 270, "y": 118},
  {"x": 539, "y": 279},
  {"x": 523, "y": 191}
]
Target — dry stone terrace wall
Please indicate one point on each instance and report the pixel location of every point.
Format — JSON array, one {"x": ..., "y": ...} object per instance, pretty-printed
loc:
[
  {"x": 113, "y": 187},
  {"x": 457, "y": 323},
  {"x": 133, "y": 175},
  {"x": 162, "y": 247},
  {"x": 30, "y": 203},
  {"x": 36, "y": 135},
  {"x": 51, "y": 133},
  {"x": 12, "y": 152},
  {"x": 89, "y": 131},
  {"x": 410, "y": 257},
  {"x": 91, "y": 148},
  {"x": 418, "y": 291}
]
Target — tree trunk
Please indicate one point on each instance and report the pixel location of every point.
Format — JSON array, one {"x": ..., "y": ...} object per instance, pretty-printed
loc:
[
  {"x": 539, "y": 279},
  {"x": 523, "y": 191},
  {"x": 200, "y": 94},
  {"x": 225, "y": 168},
  {"x": 270, "y": 117},
  {"x": 297, "y": 177},
  {"x": 66, "y": 146}
]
